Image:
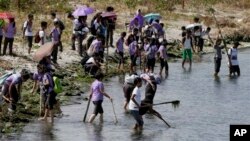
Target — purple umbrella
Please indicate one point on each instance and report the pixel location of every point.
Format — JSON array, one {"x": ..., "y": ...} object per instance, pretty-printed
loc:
[{"x": 83, "y": 11}]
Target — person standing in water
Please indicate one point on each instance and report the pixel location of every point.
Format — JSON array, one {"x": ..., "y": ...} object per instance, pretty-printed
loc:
[
  {"x": 187, "y": 48},
  {"x": 233, "y": 60},
  {"x": 135, "y": 103},
  {"x": 96, "y": 94},
  {"x": 218, "y": 56}
]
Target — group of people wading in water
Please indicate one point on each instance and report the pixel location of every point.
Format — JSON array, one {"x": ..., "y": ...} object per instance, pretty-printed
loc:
[{"x": 146, "y": 42}]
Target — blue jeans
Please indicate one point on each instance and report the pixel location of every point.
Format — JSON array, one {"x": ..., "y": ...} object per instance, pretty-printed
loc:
[{"x": 137, "y": 117}]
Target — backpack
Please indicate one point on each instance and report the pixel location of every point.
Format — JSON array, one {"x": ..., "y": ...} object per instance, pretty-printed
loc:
[
  {"x": 57, "y": 85},
  {"x": 84, "y": 60},
  {"x": 37, "y": 37},
  {"x": 61, "y": 25}
]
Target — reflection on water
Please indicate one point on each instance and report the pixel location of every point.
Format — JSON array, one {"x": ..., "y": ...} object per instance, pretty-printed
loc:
[{"x": 208, "y": 106}]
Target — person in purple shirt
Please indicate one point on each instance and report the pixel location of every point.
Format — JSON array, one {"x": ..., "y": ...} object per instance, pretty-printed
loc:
[
  {"x": 134, "y": 24},
  {"x": 151, "y": 53},
  {"x": 55, "y": 35},
  {"x": 163, "y": 57},
  {"x": 119, "y": 50},
  {"x": 10, "y": 92},
  {"x": 96, "y": 94},
  {"x": 140, "y": 18},
  {"x": 133, "y": 52},
  {"x": 37, "y": 77},
  {"x": 10, "y": 31},
  {"x": 49, "y": 96}
]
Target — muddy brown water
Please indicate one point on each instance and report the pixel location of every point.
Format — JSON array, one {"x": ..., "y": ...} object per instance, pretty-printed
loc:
[{"x": 208, "y": 106}]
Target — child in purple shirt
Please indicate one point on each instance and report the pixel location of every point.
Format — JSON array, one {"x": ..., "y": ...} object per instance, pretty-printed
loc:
[
  {"x": 163, "y": 57},
  {"x": 119, "y": 50},
  {"x": 96, "y": 94},
  {"x": 10, "y": 92},
  {"x": 133, "y": 51}
]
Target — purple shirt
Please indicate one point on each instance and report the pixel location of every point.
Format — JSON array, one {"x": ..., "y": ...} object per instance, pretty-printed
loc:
[
  {"x": 14, "y": 79},
  {"x": 163, "y": 52},
  {"x": 37, "y": 77},
  {"x": 48, "y": 77},
  {"x": 120, "y": 45},
  {"x": 55, "y": 35},
  {"x": 157, "y": 26},
  {"x": 152, "y": 51},
  {"x": 96, "y": 87},
  {"x": 97, "y": 46},
  {"x": 132, "y": 48},
  {"x": 10, "y": 31},
  {"x": 140, "y": 19}
]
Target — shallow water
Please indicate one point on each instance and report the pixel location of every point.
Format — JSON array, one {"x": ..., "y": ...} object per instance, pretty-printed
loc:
[{"x": 208, "y": 106}]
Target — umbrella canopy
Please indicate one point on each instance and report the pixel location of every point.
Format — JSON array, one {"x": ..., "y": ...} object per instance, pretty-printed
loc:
[
  {"x": 154, "y": 16},
  {"x": 83, "y": 11},
  {"x": 108, "y": 14},
  {"x": 191, "y": 26},
  {"x": 6, "y": 15},
  {"x": 43, "y": 51}
]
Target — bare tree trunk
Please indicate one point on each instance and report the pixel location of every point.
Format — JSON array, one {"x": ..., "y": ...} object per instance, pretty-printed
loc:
[{"x": 19, "y": 5}]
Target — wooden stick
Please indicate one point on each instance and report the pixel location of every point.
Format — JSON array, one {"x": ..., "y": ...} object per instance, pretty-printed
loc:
[
  {"x": 216, "y": 21},
  {"x": 173, "y": 102},
  {"x": 159, "y": 116},
  {"x": 86, "y": 112},
  {"x": 114, "y": 112}
]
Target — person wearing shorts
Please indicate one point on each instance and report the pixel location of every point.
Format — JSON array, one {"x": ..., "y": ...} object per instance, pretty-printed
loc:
[
  {"x": 135, "y": 103},
  {"x": 96, "y": 94},
  {"x": 187, "y": 49}
]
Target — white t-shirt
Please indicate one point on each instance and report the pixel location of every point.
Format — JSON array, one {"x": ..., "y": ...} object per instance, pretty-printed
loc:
[
  {"x": 233, "y": 52},
  {"x": 137, "y": 93},
  {"x": 42, "y": 35},
  {"x": 75, "y": 23},
  {"x": 187, "y": 43},
  {"x": 28, "y": 30}
]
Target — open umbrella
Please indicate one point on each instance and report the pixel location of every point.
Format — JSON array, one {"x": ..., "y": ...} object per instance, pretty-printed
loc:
[
  {"x": 6, "y": 15},
  {"x": 154, "y": 16},
  {"x": 191, "y": 26},
  {"x": 43, "y": 51},
  {"x": 83, "y": 11},
  {"x": 108, "y": 14}
]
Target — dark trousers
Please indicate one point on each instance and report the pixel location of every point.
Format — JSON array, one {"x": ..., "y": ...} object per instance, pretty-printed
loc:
[
  {"x": 29, "y": 39},
  {"x": 8, "y": 41},
  {"x": 109, "y": 38},
  {"x": 164, "y": 63},
  {"x": 217, "y": 64},
  {"x": 73, "y": 40},
  {"x": 60, "y": 42},
  {"x": 54, "y": 53},
  {"x": 1, "y": 38},
  {"x": 80, "y": 39}
]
